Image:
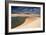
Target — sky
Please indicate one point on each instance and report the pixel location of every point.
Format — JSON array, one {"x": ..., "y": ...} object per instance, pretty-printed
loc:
[{"x": 22, "y": 9}]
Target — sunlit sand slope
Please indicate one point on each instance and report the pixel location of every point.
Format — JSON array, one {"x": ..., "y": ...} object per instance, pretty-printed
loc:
[{"x": 33, "y": 22}]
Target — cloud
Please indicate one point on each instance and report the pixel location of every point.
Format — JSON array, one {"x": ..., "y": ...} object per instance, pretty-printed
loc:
[{"x": 26, "y": 9}]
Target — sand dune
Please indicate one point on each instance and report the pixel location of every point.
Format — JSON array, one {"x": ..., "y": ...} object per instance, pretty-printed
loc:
[{"x": 31, "y": 22}]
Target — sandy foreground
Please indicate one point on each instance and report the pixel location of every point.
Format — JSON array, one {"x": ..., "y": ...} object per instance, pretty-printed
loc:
[{"x": 31, "y": 22}]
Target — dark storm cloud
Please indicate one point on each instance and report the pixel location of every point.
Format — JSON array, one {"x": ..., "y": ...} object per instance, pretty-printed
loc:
[{"x": 18, "y": 9}]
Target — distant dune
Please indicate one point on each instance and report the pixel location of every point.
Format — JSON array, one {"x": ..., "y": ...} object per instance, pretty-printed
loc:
[{"x": 24, "y": 15}]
